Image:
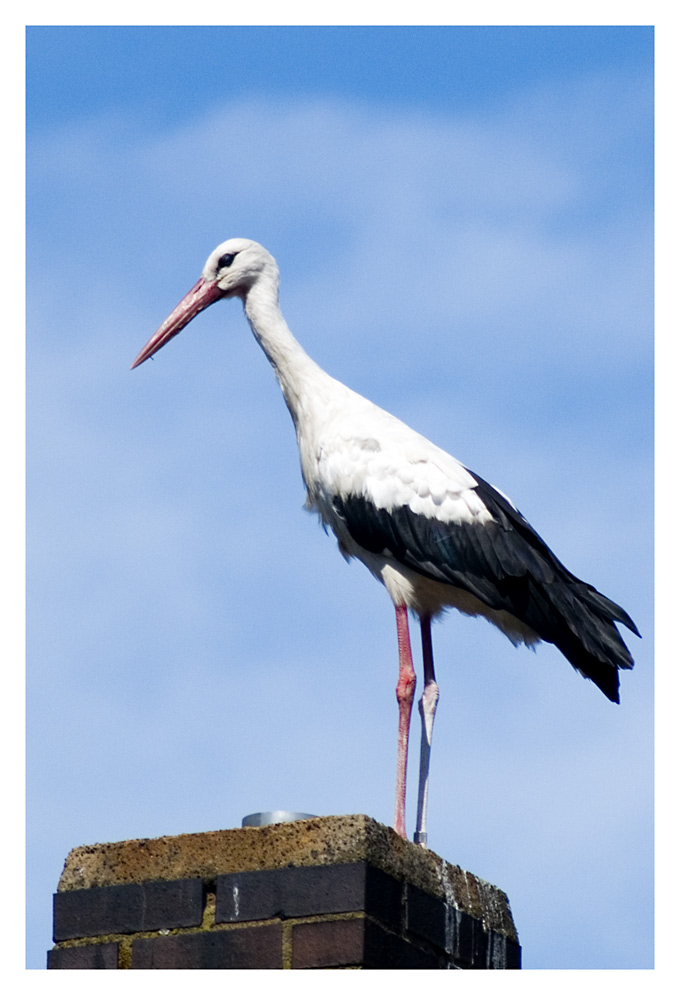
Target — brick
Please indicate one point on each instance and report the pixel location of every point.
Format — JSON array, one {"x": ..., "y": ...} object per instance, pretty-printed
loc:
[
  {"x": 502, "y": 953},
  {"x": 426, "y": 916},
  {"x": 128, "y": 908},
  {"x": 292, "y": 892},
  {"x": 383, "y": 897},
  {"x": 258, "y": 947},
  {"x": 386, "y": 951},
  {"x": 513, "y": 956},
  {"x": 469, "y": 941},
  {"x": 253, "y": 895},
  {"x": 92, "y": 957},
  {"x": 339, "y": 943},
  {"x": 354, "y": 943}
]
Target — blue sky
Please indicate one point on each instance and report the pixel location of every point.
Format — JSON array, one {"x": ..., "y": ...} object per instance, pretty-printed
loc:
[{"x": 463, "y": 222}]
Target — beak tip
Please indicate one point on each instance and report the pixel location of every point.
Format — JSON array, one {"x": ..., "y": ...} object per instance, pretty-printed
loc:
[{"x": 199, "y": 297}]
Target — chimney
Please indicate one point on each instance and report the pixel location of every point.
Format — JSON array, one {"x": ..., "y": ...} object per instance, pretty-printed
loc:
[{"x": 332, "y": 892}]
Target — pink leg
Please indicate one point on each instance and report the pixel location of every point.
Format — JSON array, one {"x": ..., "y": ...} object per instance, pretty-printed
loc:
[
  {"x": 427, "y": 706},
  {"x": 406, "y": 686}
]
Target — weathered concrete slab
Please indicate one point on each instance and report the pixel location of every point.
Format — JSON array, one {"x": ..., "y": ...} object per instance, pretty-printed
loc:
[{"x": 309, "y": 842}]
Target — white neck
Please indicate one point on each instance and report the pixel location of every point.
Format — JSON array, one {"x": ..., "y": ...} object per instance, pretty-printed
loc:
[{"x": 294, "y": 369}]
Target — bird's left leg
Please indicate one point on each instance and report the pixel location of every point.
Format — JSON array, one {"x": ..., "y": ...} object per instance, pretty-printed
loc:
[
  {"x": 406, "y": 686},
  {"x": 427, "y": 706}
]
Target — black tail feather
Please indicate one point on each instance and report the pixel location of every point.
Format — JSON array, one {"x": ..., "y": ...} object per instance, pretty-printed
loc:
[{"x": 584, "y": 631}]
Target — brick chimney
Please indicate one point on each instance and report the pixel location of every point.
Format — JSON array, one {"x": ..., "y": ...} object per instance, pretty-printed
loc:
[{"x": 332, "y": 892}]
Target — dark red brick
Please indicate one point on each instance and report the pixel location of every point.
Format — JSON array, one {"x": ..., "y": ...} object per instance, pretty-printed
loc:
[
  {"x": 329, "y": 944},
  {"x": 128, "y": 908},
  {"x": 305, "y": 891},
  {"x": 427, "y": 916},
  {"x": 354, "y": 943},
  {"x": 257, "y": 947},
  {"x": 92, "y": 957}
]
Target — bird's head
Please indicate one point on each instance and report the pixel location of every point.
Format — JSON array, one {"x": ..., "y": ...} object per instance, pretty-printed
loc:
[{"x": 231, "y": 270}]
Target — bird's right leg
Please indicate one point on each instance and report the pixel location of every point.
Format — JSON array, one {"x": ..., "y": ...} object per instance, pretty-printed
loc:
[
  {"x": 427, "y": 706},
  {"x": 406, "y": 686}
]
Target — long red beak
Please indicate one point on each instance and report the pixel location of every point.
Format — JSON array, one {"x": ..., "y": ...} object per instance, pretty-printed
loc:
[{"x": 201, "y": 296}]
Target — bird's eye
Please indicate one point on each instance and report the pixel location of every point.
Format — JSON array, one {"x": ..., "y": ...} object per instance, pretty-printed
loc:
[{"x": 226, "y": 260}]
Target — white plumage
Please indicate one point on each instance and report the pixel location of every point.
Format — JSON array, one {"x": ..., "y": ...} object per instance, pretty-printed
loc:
[{"x": 432, "y": 531}]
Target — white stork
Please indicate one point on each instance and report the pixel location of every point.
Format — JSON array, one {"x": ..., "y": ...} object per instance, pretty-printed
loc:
[{"x": 432, "y": 531}]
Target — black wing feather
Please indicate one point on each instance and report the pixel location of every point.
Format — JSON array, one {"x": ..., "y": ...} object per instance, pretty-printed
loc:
[{"x": 507, "y": 565}]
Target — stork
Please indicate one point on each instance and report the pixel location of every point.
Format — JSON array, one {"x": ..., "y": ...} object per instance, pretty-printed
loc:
[{"x": 435, "y": 534}]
